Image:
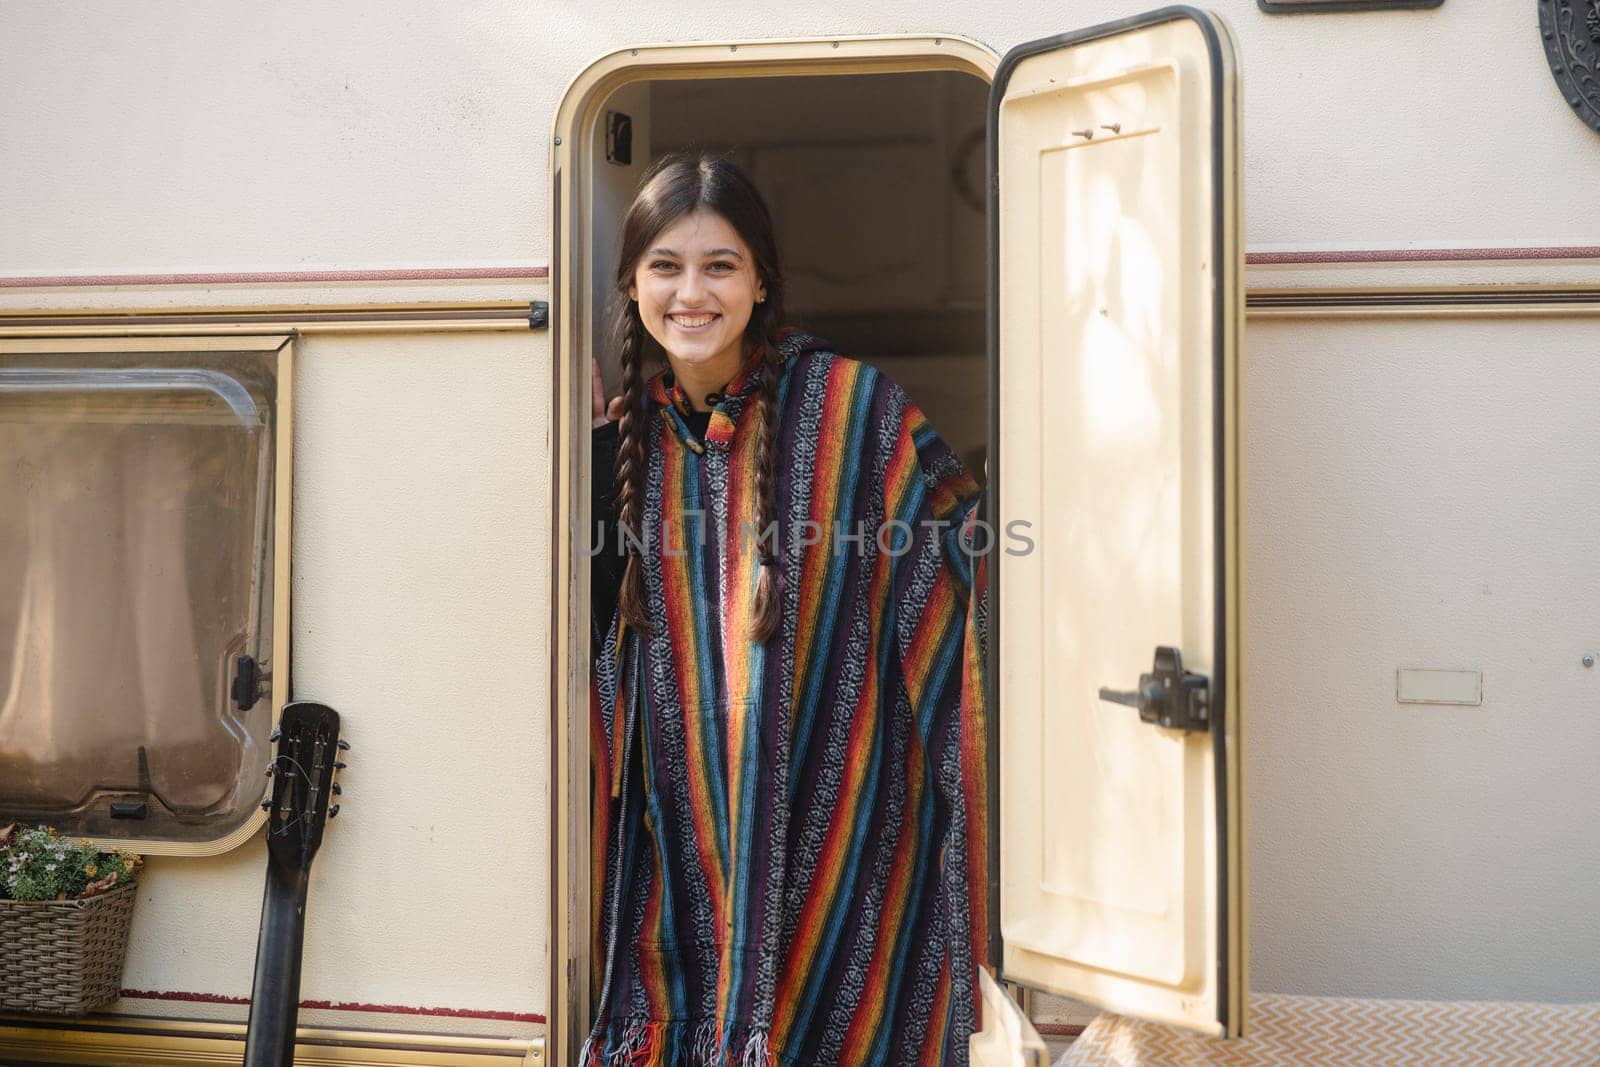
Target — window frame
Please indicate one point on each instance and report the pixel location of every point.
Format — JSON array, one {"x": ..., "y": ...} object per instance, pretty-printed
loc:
[{"x": 52, "y": 342}]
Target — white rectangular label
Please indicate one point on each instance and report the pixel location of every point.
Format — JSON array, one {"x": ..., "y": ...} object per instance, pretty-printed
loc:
[{"x": 1415, "y": 686}]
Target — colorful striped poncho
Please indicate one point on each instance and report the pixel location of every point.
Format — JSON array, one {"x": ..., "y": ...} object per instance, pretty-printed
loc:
[{"x": 790, "y": 838}]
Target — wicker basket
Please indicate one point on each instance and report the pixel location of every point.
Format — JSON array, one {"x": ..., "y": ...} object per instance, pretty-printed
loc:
[{"x": 63, "y": 957}]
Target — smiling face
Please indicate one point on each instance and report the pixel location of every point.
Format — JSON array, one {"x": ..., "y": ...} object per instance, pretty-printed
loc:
[{"x": 697, "y": 285}]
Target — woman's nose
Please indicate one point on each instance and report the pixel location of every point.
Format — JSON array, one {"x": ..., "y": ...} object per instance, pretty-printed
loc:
[{"x": 692, "y": 289}]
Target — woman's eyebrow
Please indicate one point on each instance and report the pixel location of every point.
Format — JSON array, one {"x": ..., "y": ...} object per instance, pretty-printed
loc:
[{"x": 734, "y": 252}]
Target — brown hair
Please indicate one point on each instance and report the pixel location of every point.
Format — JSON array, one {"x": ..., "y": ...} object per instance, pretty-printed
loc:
[{"x": 677, "y": 185}]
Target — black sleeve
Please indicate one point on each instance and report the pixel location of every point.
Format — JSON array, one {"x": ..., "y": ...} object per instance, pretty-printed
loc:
[{"x": 603, "y": 540}]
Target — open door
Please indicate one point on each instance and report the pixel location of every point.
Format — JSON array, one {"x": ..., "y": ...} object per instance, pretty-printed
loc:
[{"x": 1116, "y": 319}]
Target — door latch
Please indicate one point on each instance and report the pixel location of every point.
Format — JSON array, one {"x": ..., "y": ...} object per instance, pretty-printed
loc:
[{"x": 1169, "y": 695}]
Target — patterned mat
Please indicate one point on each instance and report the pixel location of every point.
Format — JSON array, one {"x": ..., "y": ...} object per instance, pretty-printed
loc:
[{"x": 1339, "y": 1031}]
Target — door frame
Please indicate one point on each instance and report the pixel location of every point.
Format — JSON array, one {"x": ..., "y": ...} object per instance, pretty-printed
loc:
[{"x": 572, "y": 300}]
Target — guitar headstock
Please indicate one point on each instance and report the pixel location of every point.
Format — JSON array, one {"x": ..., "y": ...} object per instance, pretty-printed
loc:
[{"x": 304, "y": 794}]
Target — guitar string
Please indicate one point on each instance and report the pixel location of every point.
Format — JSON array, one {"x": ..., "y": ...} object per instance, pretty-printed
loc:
[{"x": 304, "y": 777}]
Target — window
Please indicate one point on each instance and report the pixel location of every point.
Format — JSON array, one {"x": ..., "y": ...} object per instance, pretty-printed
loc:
[{"x": 143, "y": 584}]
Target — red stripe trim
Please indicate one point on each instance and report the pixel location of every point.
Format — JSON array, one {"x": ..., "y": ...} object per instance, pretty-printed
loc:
[
  {"x": 423, "y": 274},
  {"x": 1423, "y": 255},
  {"x": 339, "y": 1005},
  {"x": 1059, "y": 1029}
]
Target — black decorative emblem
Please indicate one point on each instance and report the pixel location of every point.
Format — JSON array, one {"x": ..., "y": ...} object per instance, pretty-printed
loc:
[
  {"x": 1571, "y": 30},
  {"x": 1296, "y": 7}
]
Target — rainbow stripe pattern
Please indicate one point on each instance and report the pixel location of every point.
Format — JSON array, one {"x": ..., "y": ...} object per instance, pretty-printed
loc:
[{"x": 791, "y": 837}]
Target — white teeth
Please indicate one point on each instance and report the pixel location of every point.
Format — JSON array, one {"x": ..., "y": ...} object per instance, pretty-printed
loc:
[{"x": 692, "y": 320}]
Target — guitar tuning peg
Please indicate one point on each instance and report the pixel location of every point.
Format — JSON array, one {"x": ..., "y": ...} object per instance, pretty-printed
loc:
[
  {"x": 333, "y": 812},
  {"x": 277, "y": 732},
  {"x": 344, "y": 746},
  {"x": 339, "y": 766},
  {"x": 337, "y": 791},
  {"x": 270, "y": 768},
  {"x": 266, "y": 805}
]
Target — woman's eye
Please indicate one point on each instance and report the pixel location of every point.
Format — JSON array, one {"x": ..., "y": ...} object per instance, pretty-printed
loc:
[
  {"x": 663, "y": 264},
  {"x": 721, "y": 268}
]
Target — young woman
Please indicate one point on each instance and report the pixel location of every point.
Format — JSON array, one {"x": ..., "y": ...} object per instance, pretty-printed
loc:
[{"x": 789, "y": 826}]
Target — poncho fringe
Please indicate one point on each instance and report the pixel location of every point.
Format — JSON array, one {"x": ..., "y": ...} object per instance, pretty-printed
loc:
[{"x": 678, "y": 1043}]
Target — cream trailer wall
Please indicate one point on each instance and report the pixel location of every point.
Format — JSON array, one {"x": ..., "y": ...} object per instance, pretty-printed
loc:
[{"x": 1420, "y": 492}]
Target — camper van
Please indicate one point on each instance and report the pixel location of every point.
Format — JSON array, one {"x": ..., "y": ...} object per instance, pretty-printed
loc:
[{"x": 1273, "y": 324}]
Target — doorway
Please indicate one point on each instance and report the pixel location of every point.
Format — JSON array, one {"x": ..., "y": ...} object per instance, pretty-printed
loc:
[{"x": 870, "y": 153}]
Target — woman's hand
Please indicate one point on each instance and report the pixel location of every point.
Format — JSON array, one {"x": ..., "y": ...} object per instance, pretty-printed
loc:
[{"x": 603, "y": 412}]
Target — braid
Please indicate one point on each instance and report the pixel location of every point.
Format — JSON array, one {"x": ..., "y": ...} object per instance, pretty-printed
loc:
[
  {"x": 629, "y": 475},
  {"x": 764, "y": 623}
]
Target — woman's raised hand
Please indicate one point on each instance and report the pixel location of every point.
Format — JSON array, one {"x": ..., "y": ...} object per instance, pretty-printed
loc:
[{"x": 603, "y": 412}]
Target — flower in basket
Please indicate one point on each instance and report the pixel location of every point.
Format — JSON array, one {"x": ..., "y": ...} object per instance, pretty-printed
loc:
[{"x": 40, "y": 864}]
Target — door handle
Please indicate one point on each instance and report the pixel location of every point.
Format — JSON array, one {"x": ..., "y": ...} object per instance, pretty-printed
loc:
[
  {"x": 1168, "y": 696},
  {"x": 1141, "y": 698}
]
